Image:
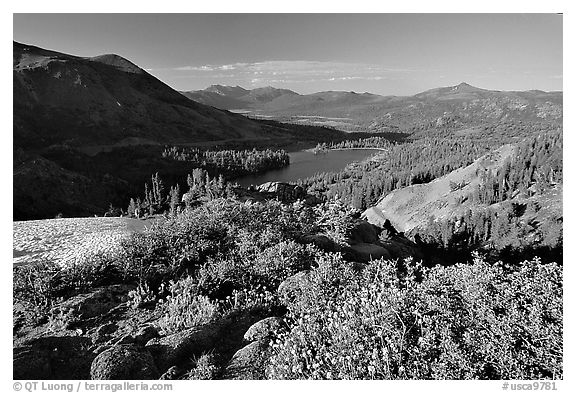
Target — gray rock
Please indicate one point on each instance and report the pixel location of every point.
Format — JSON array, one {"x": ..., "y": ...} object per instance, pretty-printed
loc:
[
  {"x": 363, "y": 232},
  {"x": 264, "y": 329},
  {"x": 124, "y": 362},
  {"x": 321, "y": 241},
  {"x": 145, "y": 334},
  {"x": 171, "y": 350},
  {"x": 374, "y": 215},
  {"x": 366, "y": 252},
  {"x": 249, "y": 362},
  {"x": 283, "y": 191},
  {"x": 400, "y": 247}
]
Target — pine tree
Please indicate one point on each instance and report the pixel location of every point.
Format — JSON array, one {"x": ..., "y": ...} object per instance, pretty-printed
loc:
[
  {"x": 132, "y": 208},
  {"x": 174, "y": 199}
]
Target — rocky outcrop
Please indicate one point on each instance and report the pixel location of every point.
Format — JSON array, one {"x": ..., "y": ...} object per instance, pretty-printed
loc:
[
  {"x": 323, "y": 242},
  {"x": 264, "y": 329},
  {"x": 179, "y": 347},
  {"x": 363, "y": 232},
  {"x": 366, "y": 252},
  {"x": 92, "y": 304},
  {"x": 400, "y": 247},
  {"x": 145, "y": 334},
  {"x": 283, "y": 191},
  {"x": 124, "y": 362},
  {"x": 249, "y": 362}
]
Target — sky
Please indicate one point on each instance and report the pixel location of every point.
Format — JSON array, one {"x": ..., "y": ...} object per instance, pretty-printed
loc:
[{"x": 388, "y": 54}]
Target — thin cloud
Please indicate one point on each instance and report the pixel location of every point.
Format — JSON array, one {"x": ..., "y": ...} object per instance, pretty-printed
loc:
[{"x": 291, "y": 71}]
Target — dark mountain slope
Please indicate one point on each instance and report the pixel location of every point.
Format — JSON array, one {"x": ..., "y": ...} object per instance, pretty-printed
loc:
[
  {"x": 43, "y": 189},
  {"x": 60, "y": 98}
]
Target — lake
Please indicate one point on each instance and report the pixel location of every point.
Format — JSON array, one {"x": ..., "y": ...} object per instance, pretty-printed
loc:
[{"x": 305, "y": 164}]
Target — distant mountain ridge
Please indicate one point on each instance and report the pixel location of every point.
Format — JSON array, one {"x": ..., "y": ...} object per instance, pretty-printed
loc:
[{"x": 462, "y": 104}]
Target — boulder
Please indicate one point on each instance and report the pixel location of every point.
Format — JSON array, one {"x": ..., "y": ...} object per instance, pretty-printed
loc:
[
  {"x": 363, "y": 232},
  {"x": 283, "y": 191},
  {"x": 366, "y": 252},
  {"x": 290, "y": 288},
  {"x": 124, "y": 362},
  {"x": 400, "y": 247},
  {"x": 145, "y": 334},
  {"x": 249, "y": 362},
  {"x": 29, "y": 364},
  {"x": 179, "y": 347},
  {"x": 264, "y": 329},
  {"x": 64, "y": 357},
  {"x": 374, "y": 216},
  {"x": 321, "y": 241}
]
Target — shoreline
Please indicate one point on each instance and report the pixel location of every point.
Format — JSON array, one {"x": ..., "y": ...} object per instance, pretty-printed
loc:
[{"x": 311, "y": 150}]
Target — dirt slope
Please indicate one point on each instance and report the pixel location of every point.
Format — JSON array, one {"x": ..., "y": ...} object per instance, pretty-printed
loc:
[{"x": 411, "y": 206}]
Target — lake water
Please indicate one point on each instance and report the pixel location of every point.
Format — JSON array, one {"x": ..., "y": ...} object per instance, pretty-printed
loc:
[{"x": 305, "y": 163}]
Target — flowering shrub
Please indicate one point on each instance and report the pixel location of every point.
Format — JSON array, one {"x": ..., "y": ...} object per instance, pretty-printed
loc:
[
  {"x": 141, "y": 297},
  {"x": 458, "y": 322},
  {"x": 252, "y": 268},
  {"x": 185, "y": 308},
  {"x": 254, "y": 299}
]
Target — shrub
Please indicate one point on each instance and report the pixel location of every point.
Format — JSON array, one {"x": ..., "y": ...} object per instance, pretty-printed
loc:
[
  {"x": 38, "y": 285},
  {"x": 334, "y": 219},
  {"x": 251, "y": 267},
  {"x": 141, "y": 297},
  {"x": 255, "y": 300},
  {"x": 460, "y": 322},
  {"x": 218, "y": 230},
  {"x": 205, "y": 368},
  {"x": 185, "y": 308},
  {"x": 35, "y": 285}
]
